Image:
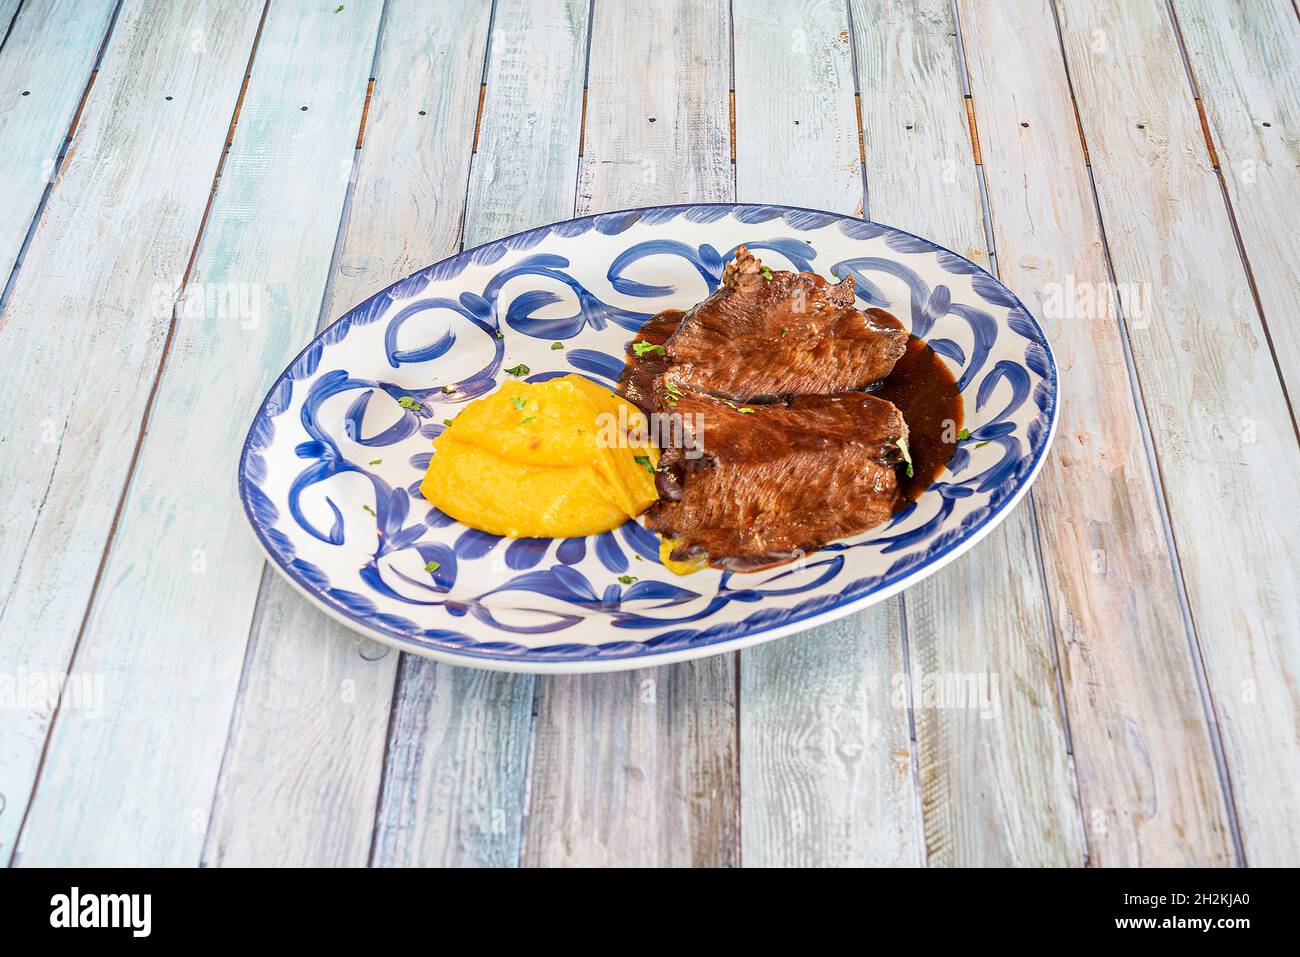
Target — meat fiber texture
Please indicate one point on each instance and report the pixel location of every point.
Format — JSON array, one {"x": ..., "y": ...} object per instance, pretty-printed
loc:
[
  {"x": 777, "y": 454},
  {"x": 757, "y": 486},
  {"x": 766, "y": 334}
]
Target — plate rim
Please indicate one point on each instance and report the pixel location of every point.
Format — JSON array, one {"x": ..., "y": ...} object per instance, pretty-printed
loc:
[{"x": 522, "y": 663}]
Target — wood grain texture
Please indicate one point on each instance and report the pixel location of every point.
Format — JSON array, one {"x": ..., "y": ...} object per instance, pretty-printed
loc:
[
  {"x": 995, "y": 777},
  {"x": 796, "y": 123},
  {"x": 8, "y": 9},
  {"x": 525, "y": 172},
  {"x": 84, "y": 325},
  {"x": 455, "y": 780},
  {"x": 44, "y": 67},
  {"x": 827, "y": 768},
  {"x": 1245, "y": 58},
  {"x": 1149, "y": 794},
  {"x": 826, "y": 762},
  {"x": 639, "y": 768},
  {"x": 134, "y": 785},
  {"x": 1226, "y": 443},
  {"x": 300, "y": 784}
]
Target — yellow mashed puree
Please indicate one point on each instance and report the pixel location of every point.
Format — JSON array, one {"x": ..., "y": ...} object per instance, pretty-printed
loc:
[{"x": 556, "y": 459}]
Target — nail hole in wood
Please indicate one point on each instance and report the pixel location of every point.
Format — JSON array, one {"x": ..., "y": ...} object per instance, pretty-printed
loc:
[
  {"x": 29, "y": 93},
  {"x": 1141, "y": 126},
  {"x": 652, "y": 119},
  {"x": 422, "y": 112},
  {"x": 1025, "y": 125},
  {"x": 167, "y": 98},
  {"x": 1266, "y": 124},
  {"x": 304, "y": 109}
]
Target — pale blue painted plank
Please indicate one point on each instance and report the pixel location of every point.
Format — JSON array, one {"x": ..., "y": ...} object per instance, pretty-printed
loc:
[
  {"x": 44, "y": 67},
  {"x": 301, "y": 777},
  {"x": 639, "y": 768},
  {"x": 455, "y": 782},
  {"x": 133, "y": 784},
  {"x": 83, "y": 324}
]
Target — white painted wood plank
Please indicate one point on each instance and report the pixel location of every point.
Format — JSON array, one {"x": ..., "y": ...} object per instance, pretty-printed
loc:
[
  {"x": 1149, "y": 794},
  {"x": 44, "y": 67},
  {"x": 309, "y": 678},
  {"x": 84, "y": 326},
  {"x": 7, "y": 10},
  {"x": 526, "y": 168},
  {"x": 639, "y": 768},
  {"x": 455, "y": 779},
  {"x": 996, "y": 783},
  {"x": 1245, "y": 58},
  {"x": 1219, "y": 420},
  {"x": 794, "y": 106},
  {"x": 133, "y": 785},
  {"x": 826, "y": 762}
]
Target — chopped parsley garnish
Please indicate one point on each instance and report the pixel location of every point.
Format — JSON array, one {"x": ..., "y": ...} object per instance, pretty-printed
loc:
[
  {"x": 556, "y": 345},
  {"x": 498, "y": 333},
  {"x": 963, "y": 434},
  {"x": 783, "y": 332},
  {"x": 376, "y": 461},
  {"x": 517, "y": 402},
  {"x": 835, "y": 274},
  {"x": 672, "y": 389},
  {"x": 531, "y": 418},
  {"x": 981, "y": 445},
  {"x": 766, "y": 271},
  {"x": 432, "y": 567},
  {"x": 907, "y": 456},
  {"x": 339, "y": 8},
  {"x": 406, "y": 402},
  {"x": 446, "y": 421},
  {"x": 370, "y": 510},
  {"x": 644, "y": 462},
  {"x": 627, "y": 579},
  {"x": 448, "y": 390},
  {"x": 520, "y": 369},
  {"x": 641, "y": 348},
  {"x": 744, "y": 410}
]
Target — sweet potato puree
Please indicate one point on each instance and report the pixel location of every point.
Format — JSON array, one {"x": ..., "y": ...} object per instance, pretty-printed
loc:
[{"x": 556, "y": 459}]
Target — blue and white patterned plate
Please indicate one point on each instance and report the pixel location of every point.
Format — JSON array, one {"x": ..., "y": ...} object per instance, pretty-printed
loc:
[{"x": 331, "y": 468}]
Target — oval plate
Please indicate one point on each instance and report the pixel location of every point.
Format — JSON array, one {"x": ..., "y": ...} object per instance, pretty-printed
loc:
[{"x": 330, "y": 471}]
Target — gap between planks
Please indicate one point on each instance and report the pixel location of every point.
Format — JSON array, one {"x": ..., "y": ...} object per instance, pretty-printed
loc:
[
  {"x": 1049, "y": 622},
  {"x": 144, "y": 425},
  {"x": 64, "y": 146},
  {"x": 1232, "y": 213},
  {"x": 1158, "y": 477}
]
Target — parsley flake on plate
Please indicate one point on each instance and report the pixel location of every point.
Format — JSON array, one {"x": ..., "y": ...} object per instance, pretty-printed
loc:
[
  {"x": 406, "y": 402},
  {"x": 432, "y": 567},
  {"x": 519, "y": 370},
  {"x": 641, "y": 348},
  {"x": 556, "y": 345},
  {"x": 907, "y": 456},
  {"x": 627, "y": 579}
]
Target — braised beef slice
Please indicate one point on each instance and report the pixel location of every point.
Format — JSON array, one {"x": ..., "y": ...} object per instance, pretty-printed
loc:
[
  {"x": 765, "y": 334},
  {"x": 776, "y": 482}
]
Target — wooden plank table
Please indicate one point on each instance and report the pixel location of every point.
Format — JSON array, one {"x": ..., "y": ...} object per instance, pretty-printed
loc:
[{"x": 189, "y": 189}]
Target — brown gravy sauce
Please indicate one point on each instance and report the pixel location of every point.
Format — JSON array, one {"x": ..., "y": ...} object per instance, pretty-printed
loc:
[{"x": 921, "y": 385}]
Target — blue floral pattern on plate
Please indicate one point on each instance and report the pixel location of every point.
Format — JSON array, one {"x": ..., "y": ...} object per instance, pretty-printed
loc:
[{"x": 331, "y": 468}]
